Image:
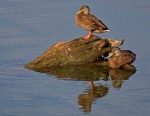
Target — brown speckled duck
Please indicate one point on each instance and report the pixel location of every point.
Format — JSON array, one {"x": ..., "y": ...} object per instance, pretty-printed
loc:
[
  {"x": 89, "y": 22},
  {"x": 118, "y": 57}
]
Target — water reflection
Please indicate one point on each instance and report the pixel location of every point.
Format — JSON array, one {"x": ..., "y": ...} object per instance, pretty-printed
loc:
[
  {"x": 91, "y": 74},
  {"x": 81, "y": 73},
  {"x": 118, "y": 75},
  {"x": 90, "y": 95}
]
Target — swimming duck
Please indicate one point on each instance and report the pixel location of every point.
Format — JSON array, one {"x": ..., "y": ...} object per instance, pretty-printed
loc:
[
  {"x": 89, "y": 22},
  {"x": 118, "y": 57}
]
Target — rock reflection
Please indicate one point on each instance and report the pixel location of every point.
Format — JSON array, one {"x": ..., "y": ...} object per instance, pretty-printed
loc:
[
  {"x": 91, "y": 74},
  {"x": 81, "y": 73}
]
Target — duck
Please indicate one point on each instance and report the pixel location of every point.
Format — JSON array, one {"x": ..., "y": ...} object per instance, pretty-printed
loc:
[
  {"x": 89, "y": 22},
  {"x": 118, "y": 57}
]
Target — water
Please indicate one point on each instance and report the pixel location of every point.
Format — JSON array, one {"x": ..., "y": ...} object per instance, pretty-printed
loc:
[{"x": 29, "y": 27}]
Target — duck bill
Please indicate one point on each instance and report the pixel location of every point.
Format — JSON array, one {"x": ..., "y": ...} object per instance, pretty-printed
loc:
[
  {"x": 78, "y": 12},
  {"x": 110, "y": 55}
]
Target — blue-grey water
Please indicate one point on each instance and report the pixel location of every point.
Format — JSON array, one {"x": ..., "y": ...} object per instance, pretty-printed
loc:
[{"x": 29, "y": 27}]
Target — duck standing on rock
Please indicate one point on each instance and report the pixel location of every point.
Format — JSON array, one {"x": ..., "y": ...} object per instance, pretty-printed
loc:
[
  {"x": 118, "y": 57},
  {"x": 89, "y": 22}
]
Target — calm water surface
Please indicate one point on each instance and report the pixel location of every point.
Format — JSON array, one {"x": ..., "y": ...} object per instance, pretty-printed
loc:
[{"x": 29, "y": 27}]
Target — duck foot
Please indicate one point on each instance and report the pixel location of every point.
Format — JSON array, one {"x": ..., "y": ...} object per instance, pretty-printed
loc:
[{"x": 88, "y": 36}]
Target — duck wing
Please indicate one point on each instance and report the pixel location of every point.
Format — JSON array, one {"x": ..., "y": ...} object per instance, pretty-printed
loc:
[
  {"x": 96, "y": 22},
  {"x": 126, "y": 57}
]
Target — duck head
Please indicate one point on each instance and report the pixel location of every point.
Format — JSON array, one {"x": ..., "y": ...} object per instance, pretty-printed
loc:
[
  {"x": 84, "y": 9},
  {"x": 115, "y": 52}
]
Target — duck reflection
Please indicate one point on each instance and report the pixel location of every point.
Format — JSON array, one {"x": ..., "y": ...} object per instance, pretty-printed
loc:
[
  {"x": 91, "y": 74},
  {"x": 118, "y": 75},
  {"x": 90, "y": 95}
]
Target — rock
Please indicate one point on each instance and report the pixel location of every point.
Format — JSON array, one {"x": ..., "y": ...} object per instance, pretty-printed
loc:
[{"x": 78, "y": 51}]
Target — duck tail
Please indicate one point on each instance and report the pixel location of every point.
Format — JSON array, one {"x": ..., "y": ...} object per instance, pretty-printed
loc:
[{"x": 107, "y": 30}]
